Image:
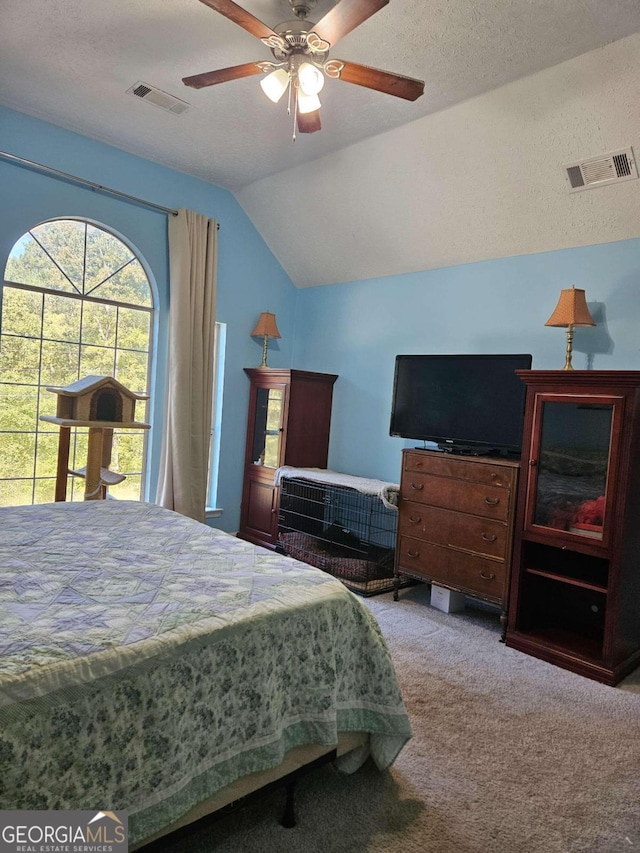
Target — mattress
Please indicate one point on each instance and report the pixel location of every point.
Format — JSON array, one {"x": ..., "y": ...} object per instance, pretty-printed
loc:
[{"x": 147, "y": 661}]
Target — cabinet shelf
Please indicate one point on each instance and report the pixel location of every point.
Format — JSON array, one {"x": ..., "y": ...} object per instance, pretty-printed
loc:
[
  {"x": 564, "y": 579},
  {"x": 561, "y": 564},
  {"x": 567, "y": 642}
]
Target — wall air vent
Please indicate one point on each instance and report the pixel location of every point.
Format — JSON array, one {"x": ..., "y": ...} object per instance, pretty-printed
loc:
[
  {"x": 597, "y": 171},
  {"x": 158, "y": 98}
]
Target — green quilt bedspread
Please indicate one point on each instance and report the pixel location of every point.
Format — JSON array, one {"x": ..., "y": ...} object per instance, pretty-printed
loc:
[{"x": 146, "y": 661}]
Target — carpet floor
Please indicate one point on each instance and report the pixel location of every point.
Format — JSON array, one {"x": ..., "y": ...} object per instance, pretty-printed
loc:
[{"x": 509, "y": 754}]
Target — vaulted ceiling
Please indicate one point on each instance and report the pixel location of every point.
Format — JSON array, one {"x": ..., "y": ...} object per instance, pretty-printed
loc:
[{"x": 72, "y": 61}]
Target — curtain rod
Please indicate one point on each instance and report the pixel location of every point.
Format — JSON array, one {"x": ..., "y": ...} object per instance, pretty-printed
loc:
[{"x": 30, "y": 164}]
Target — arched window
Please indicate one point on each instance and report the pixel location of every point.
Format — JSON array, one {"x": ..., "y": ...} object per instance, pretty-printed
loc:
[{"x": 76, "y": 302}]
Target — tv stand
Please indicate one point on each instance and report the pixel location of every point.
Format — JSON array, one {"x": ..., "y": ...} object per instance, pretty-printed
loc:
[{"x": 455, "y": 523}]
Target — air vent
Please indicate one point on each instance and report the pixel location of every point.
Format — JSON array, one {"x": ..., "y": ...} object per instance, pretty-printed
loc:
[
  {"x": 158, "y": 98},
  {"x": 597, "y": 171}
]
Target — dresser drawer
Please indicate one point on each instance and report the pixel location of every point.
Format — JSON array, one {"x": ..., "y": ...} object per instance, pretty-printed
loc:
[
  {"x": 447, "y": 527},
  {"x": 451, "y": 568},
  {"x": 476, "y": 498},
  {"x": 470, "y": 470}
]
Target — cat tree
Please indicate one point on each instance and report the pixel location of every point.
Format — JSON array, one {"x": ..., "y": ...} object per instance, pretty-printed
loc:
[{"x": 100, "y": 403}]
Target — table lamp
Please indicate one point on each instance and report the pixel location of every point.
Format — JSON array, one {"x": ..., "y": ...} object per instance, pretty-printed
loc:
[
  {"x": 266, "y": 328},
  {"x": 571, "y": 311}
]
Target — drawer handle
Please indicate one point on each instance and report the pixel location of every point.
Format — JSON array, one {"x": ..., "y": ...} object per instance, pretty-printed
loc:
[
  {"x": 413, "y": 553},
  {"x": 417, "y": 487},
  {"x": 492, "y": 501},
  {"x": 489, "y": 537},
  {"x": 415, "y": 519},
  {"x": 487, "y": 577}
]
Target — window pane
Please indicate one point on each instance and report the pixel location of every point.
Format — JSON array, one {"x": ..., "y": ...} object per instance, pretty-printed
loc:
[
  {"x": 127, "y": 454},
  {"x": 15, "y": 492},
  {"x": 131, "y": 370},
  {"x": 105, "y": 255},
  {"x": 129, "y": 285},
  {"x": 79, "y": 449},
  {"x": 61, "y": 318},
  {"x": 48, "y": 406},
  {"x": 133, "y": 329},
  {"x": 59, "y": 363},
  {"x": 17, "y": 452},
  {"x": 63, "y": 239},
  {"x": 99, "y": 324},
  {"x": 18, "y": 407},
  {"x": 47, "y": 455},
  {"x": 29, "y": 264},
  {"x": 129, "y": 490},
  {"x": 21, "y": 312},
  {"x": 96, "y": 361},
  {"x": 45, "y": 491},
  {"x": 19, "y": 360}
]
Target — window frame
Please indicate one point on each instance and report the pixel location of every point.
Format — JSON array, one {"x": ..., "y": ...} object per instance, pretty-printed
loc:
[{"x": 84, "y": 298}]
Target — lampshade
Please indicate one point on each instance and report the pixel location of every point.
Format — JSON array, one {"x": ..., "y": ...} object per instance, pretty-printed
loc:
[
  {"x": 311, "y": 79},
  {"x": 571, "y": 310},
  {"x": 307, "y": 103},
  {"x": 266, "y": 326},
  {"x": 274, "y": 85}
]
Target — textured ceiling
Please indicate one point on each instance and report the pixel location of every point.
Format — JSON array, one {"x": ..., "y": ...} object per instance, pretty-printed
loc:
[{"x": 71, "y": 62}]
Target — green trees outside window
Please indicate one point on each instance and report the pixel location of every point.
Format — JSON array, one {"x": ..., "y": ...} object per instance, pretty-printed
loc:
[{"x": 75, "y": 302}]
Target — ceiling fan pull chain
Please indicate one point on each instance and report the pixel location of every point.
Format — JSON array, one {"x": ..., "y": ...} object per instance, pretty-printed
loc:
[{"x": 295, "y": 107}]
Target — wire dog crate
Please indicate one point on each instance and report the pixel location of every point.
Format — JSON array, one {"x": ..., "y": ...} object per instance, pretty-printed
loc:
[{"x": 347, "y": 533}]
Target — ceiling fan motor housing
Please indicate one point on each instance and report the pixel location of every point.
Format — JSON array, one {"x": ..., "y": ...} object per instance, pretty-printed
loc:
[{"x": 298, "y": 38}]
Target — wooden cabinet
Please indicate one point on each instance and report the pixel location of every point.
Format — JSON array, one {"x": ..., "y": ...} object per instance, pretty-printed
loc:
[
  {"x": 455, "y": 522},
  {"x": 575, "y": 590},
  {"x": 288, "y": 424}
]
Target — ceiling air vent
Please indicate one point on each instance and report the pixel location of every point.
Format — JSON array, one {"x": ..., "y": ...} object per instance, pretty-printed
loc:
[
  {"x": 597, "y": 171},
  {"x": 158, "y": 98}
]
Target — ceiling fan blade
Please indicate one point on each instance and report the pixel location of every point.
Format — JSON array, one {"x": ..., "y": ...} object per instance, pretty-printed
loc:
[
  {"x": 210, "y": 78},
  {"x": 241, "y": 17},
  {"x": 309, "y": 122},
  {"x": 345, "y": 16},
  {"x": 383, "y": 81}
]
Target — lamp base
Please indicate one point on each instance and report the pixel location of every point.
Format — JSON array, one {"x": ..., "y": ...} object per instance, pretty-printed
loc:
[
  {"x": 569, "y": 350},
  {"x": 264, "y": 352}
]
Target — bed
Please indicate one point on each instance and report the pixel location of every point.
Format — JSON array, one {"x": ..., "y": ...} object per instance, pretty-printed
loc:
[{"x": 152, "y": 664}]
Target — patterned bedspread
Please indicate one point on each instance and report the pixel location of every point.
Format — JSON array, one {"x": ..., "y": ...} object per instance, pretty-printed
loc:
[{"x": 146, "y": 661}]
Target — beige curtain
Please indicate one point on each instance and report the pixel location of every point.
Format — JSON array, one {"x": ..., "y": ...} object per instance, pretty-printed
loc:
[{"x": 182, "y": 483}]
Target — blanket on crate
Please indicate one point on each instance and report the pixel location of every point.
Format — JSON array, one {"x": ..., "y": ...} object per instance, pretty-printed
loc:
[{"x": 387, "y": 492}]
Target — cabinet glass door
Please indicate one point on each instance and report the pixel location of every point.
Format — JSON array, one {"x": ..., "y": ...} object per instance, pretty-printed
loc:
[
  {"x": 267, "y": 429},
  {"x": 573, "y": 460}
]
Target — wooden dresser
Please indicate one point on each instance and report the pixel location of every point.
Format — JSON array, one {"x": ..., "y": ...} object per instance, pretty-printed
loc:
[{"x": 455, "y": 524}]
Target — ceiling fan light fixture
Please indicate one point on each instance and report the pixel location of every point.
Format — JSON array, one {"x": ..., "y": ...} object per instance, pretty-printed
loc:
[
  {"x": 274, "y": 85},
  {"x": 307, "y": 103},
  {"x": 311, "y": 79}
]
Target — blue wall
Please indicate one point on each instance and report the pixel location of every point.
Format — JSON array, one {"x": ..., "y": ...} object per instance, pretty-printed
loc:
[
  {"x": 357, "y": 329},
  {"x": 250, "y": 280},
  {"x": 353, "y": 329}
]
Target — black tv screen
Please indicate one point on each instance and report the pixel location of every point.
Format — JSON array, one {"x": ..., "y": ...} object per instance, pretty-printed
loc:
[{"x": 460, "y": 401}]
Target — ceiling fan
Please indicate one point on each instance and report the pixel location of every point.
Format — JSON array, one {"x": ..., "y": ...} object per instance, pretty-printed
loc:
[{"x": 300, "y": 49}]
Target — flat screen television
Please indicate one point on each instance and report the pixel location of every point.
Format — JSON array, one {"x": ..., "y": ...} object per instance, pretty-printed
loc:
[{"x": 463, "y": 403}]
